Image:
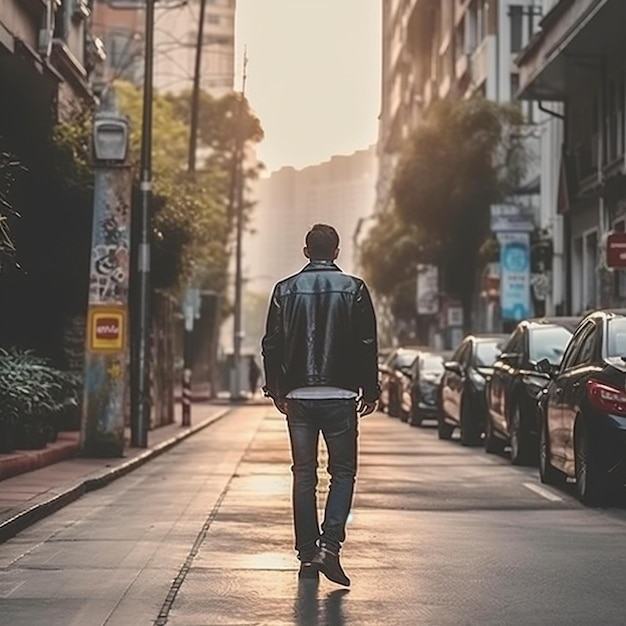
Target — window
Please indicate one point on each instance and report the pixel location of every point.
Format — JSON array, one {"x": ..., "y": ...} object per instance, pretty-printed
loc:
[
  {"x": 515, "y": 345},
  {"x": 516, "y": 14},
  {"x": 460, "y": 356},
  {"x": 548, "y": 343},
  {"x": 616, "y": 337},
  {"x": 212, "y": 18},
  {"x": 570, "y": 358},
  {"x": 587, "y": 351},
  {"x": 486, "y": 353}
]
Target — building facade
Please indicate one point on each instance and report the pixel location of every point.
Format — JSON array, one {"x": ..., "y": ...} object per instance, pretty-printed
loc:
[
  {"x": 438, "y": 49},
  {"x": 340, "y": 191},
  {"x": 120, "y": 26},
  {"x": 574, "y": 67},
  {"x": 175, "y": 41}
]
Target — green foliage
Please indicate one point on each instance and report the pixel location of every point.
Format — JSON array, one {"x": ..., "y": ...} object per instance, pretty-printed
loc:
[
  {"x": 192, "y": 221},
  {"x": 465, "y": 156},
  {"x": 71, "y": 150},
  {"x": 31, "y": 390},
  {"x": 9, "y": 167}
]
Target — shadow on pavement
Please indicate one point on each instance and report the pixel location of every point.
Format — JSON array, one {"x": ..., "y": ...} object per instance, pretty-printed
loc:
[{"x": 311, "y": 610}]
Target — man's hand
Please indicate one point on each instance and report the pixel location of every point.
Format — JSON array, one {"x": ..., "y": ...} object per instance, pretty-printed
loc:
[
  {"x": 281, "y": 405},
  {"x": 365, "y": 408}
]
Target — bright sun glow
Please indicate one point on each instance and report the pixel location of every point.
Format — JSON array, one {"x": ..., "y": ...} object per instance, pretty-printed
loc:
[{"x": 313, "y": 76}]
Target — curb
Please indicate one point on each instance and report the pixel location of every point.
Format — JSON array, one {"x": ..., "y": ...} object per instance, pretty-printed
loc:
[
  {"x": 21, "y": 520},
  {"x": 23, "y": 461}
]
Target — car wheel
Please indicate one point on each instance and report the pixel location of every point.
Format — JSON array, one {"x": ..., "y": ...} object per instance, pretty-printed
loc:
[
  {"x": 444, "y": 430},
  {"x": 493, "y": 443},
  {"x": 520, "y": 444},
  {"x": 548, "y": 474},
  {"x": 470, "y": 431},
  {"x": 593, "y": 486}
]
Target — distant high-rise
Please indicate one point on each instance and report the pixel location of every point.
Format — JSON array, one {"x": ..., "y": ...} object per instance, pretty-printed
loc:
[
  {"x": 175, "y": 40},
  {"x": 340, "y": 192}
]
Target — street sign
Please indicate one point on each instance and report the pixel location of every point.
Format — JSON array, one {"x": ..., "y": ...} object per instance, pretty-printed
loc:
[
  {"x": 515, "y": 275},
  {"x": 511, "y": 218},
  {"x": 107, "y": 329},
  {"x": 616, "y": 250}
]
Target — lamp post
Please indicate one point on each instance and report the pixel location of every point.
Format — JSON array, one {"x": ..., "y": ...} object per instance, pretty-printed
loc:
[
  {"x": 102, "y": 426},
  {"x": 140, "y": 348}
]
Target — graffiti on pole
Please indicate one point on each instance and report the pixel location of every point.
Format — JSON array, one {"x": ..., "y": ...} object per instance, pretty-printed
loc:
[{"x": 110, "y": 253}]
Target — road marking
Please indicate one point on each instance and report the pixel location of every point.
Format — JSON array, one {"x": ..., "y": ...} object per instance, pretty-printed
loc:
[{"x": 544, "y": 493}]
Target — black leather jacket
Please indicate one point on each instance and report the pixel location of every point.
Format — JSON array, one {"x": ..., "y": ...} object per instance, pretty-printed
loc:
[{"x": 321, "y": 331}]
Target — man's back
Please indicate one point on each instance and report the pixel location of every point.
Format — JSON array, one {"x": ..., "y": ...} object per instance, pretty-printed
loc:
[{"x": 321, "y": 332}]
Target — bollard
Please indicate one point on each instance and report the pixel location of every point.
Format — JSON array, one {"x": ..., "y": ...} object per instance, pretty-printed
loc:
[{"x": 186, "y": 397}]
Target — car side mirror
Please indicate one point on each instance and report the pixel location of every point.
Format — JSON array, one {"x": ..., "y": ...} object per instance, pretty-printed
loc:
[
  {"x": 454, "y": 367},
  {"x": 545, "y": 367}
]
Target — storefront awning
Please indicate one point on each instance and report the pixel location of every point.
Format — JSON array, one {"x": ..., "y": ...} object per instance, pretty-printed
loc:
[{"x": 573, "y": 34}]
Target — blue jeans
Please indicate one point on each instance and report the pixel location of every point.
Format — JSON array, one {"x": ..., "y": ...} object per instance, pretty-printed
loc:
[{"x": 337, "y": 421}]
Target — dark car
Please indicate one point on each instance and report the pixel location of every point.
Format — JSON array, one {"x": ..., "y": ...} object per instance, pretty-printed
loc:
[
  {"x": 462, "y": 388},
  {"x": 393, "y": 372},
  {"x": 420, "y": 397},
  {"x": 582, "y": 412},
  {"x": 515, "y": 384}
]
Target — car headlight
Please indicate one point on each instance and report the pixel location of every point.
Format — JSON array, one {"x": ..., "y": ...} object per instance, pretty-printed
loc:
[{"x": 478, "y": 380}]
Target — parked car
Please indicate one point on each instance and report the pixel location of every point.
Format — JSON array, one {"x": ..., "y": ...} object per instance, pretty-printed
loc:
[
  {"x": 515, "y": 384},
  {"x": 393, "y": 372},
  {"x": 582, "y": 412},
  {"x": 462, "y": 388},
  {"x": 419, "y": 400}
]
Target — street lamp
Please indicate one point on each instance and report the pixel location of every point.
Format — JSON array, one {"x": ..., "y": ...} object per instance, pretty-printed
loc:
[{"x": 110, "y": 137}]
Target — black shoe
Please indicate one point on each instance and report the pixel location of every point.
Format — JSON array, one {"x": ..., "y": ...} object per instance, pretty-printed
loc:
[
  {"x": 308, "y": 571},
  {"x": 327, "y": 561}
]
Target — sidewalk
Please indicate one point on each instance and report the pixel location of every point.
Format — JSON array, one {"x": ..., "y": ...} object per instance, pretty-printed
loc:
[{"x": 28, "y": 497}]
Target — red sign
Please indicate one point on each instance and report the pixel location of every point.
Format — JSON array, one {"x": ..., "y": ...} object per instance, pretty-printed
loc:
[
  {"x": 616, "y": 250},
  {"x": 108, "y": 328}
]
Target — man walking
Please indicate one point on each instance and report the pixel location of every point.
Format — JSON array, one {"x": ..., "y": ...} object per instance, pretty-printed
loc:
[{"x": 321, "y": 371}]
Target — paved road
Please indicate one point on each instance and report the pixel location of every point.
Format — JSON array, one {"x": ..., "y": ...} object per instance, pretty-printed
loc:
[{"x": 201, "y": 536}]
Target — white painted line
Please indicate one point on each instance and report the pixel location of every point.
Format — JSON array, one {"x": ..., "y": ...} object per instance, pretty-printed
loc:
[{"x": 544, "y": 493}]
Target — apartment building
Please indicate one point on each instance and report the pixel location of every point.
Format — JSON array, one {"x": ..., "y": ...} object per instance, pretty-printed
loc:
[
  {"x": 47, "y": 53},
  {"x": 175, "y": 41},
  {"x": 437, "y": 49},
  {"x": 575, "y": 68},
  {"x": 120, "y": 26}
]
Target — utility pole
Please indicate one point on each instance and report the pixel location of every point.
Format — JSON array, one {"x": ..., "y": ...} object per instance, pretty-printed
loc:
[
  {"x": 240, "y": 183},
  {"x": 191, "y": 294},
  {"x": 195, "y": 93},
  {"x": 140, "y": 344}
]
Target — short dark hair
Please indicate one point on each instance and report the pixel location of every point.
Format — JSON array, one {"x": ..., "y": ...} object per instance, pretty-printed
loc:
[{"x": 322, "y": 241}]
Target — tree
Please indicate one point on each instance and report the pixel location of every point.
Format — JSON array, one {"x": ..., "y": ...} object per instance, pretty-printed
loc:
[
  {"x": 192, "y": 223},
  {"x": 466, "y": 155}
]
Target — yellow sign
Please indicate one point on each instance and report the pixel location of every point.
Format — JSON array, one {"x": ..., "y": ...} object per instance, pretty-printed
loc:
[{"x": 107, "y": 329}]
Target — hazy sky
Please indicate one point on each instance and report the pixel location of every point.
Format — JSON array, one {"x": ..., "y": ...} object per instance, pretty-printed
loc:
[{"x": 313, "y": 76}]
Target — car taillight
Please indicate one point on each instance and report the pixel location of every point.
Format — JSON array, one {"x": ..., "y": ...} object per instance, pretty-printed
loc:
[{"x": 606, "y": 397}]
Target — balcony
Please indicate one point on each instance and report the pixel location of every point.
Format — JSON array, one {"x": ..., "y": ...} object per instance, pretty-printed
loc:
[
  {"x": 445, "y": 86},
  {"x": 430, "y": 91},
  {"x": 462, "y": 66},
  {"x": 480, "y": 62}
]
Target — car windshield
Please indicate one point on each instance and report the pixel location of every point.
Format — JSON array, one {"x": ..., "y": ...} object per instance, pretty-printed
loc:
[
  {"x": 616, "y": 337},
  {"x": 548, "y": 343},
  {"x": 432, "y": 363},
  {"x": 486, "y": 352},
  {"x": 405, "y": 359}
]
